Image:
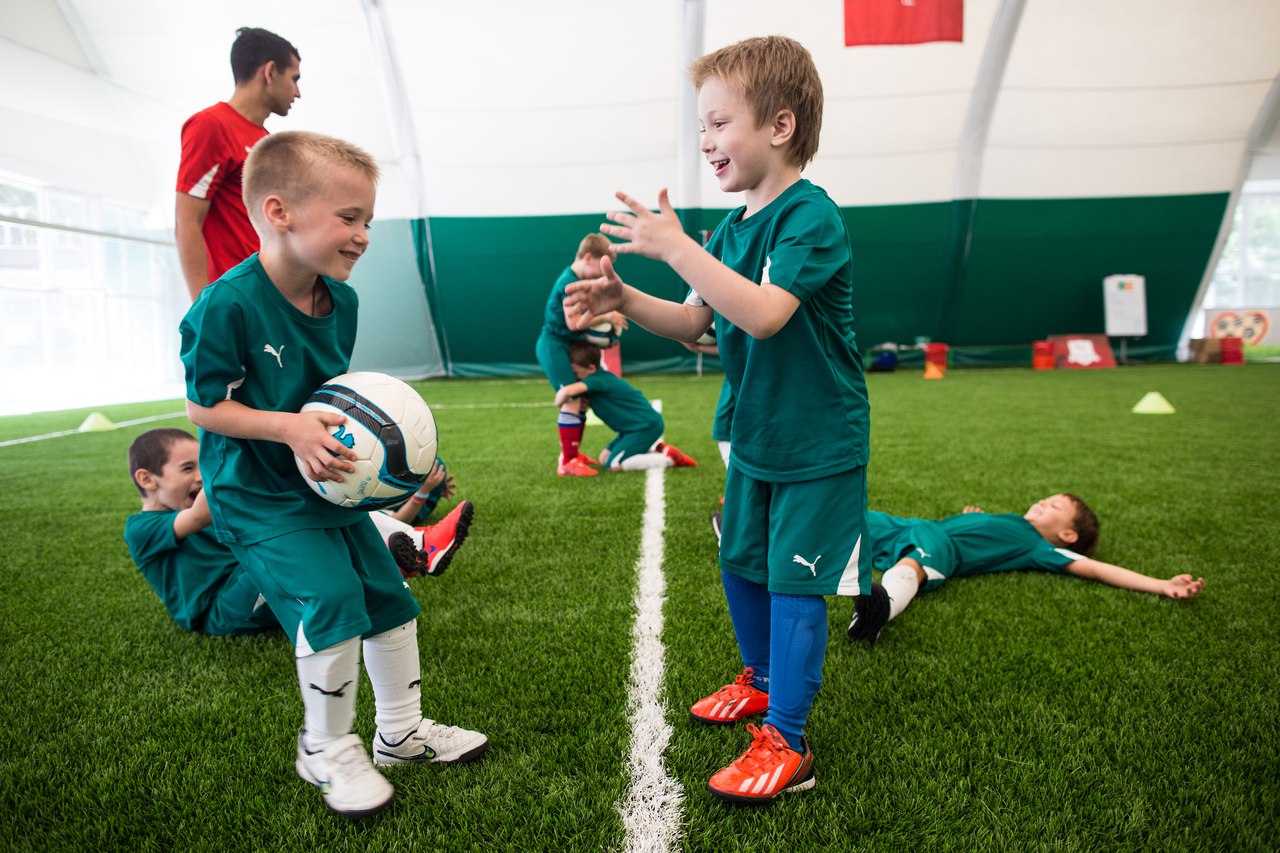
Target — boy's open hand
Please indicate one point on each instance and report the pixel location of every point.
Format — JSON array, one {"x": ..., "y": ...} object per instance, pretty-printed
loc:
[
  {"x": 653, "y": 235},
  {"x": 324, "y": 456},
  {"x": 1183, "y": 586},
  {"x": 586, "y": 299}
]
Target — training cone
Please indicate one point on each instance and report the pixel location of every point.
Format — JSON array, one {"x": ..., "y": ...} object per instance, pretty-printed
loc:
[
  {"x": 96, "y": 422},
  {"x": 932, "y": 371},
  {"x": 1153, "y": 404}
]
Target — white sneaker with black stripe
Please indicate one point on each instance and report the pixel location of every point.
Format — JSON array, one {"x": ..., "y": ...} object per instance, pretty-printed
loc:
[
  {"x": 429, "y": 742},
  {"x": 341, "y": 770}
]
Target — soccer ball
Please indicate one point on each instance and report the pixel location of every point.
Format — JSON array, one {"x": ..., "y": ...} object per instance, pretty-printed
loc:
[
  {"x": 392, "y": 432},
  {"x": 708, "y": 338},
  {"x": 602, "y": 334}
]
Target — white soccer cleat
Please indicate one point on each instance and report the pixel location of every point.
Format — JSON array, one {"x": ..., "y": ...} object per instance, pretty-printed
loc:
[
  {"x": 341, "y": 770},
  {"x": 430, "y": 742}
]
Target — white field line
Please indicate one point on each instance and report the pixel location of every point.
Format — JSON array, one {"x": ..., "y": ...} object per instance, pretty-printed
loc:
[
  {"x": 654, "y": 806},
  {"x": 439, "y": 407},
  {"x": 134, "y": 422}
]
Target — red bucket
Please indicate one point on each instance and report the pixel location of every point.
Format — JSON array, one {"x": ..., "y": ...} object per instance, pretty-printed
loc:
[{"x": 1233, "y": 350}]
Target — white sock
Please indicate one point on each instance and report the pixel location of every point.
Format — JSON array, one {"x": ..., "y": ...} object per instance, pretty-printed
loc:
[
  {"x": 901, "y": 584},
  {"x": 328, "y": 679},
  {"x": 391, "y": 659},
  {"x": 724, "y": 451},
  {"x": 387, "y": 525},
  {"x": 645, "y": 461}
]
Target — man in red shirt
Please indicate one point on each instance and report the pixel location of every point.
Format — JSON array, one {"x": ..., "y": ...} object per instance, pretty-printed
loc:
[{"x": 211, "y": 224}]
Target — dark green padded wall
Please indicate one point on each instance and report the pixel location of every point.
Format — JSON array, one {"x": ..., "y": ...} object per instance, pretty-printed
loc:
[{"x": 1032, "y": 268}]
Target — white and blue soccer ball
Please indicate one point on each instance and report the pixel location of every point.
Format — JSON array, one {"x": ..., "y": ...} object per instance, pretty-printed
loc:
[
  {"x": 708, "y": 338},
  {"x": 602, "y": 334},
  {"x": 392, "y": 431}
]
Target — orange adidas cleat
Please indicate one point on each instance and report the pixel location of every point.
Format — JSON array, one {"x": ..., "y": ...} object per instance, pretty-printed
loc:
[
  {"x": 768, "y": 768},
  {"x": 576, "y": 467},
  {"x": 732, "y": 702},
  {"x": 675, "y": 455}
]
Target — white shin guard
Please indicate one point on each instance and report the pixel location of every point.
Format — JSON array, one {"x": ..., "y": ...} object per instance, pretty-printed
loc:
[
  {"x": 901, "y": 584},
  {"x": 391, "y": 659},
  {"x": 328, "y": 679}
]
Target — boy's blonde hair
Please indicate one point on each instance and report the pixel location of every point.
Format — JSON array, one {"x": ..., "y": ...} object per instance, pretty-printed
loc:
[
  {"x": 287, "y": 164},
  {"x": 596, "y": 245},
  {"x": 771, "y": 73}
]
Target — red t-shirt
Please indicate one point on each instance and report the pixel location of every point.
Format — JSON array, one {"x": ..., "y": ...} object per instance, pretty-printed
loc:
[{"x": 215, "y": 144}]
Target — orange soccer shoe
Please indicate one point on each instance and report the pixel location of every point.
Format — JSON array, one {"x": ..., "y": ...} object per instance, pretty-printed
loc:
[
  {"x": 440, "y": 542},
  {"x": 732, "y": 702},
  {"x": 576, "y": 467},
  {"x": 675, "y": 455},
  {"x": 587, "y": 459},
  {"x": 768, "y": 768}
]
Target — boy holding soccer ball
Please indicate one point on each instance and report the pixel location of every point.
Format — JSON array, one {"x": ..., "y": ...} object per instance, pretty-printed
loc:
[
  {"x": 255, "y": 345},
  {"x": 776, "y": 278}
]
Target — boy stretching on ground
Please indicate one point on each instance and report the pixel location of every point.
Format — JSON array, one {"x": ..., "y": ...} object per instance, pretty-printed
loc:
[
  {"x": 622, "y": 409},
  {"x": 255, "y": 345},
  {"x": 552, "y": 350},
  {"x": 777, "y": 279},
  {"x": 1057, "y": 534}
]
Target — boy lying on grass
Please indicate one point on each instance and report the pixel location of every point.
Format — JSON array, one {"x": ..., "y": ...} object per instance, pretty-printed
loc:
[{"x": 1057, "y": 534}]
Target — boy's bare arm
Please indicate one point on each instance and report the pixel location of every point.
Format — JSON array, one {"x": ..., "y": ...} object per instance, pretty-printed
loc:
[
  {"x": 1178, "y": 586},
  {"x": 586, "y": 299},
  {"x": 306, "y": 433},
  {"x": 573, "y": 389},
  {"x": 193, "y": 519},
  {"x": 759, "y": 310}
]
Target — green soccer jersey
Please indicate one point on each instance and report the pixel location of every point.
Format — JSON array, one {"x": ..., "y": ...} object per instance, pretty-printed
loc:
[
  {"x": 243, "y": 341},
  {"x": 553, "y": 316},
  {"x": 968, "y": 544},
  {"x": 620, "y": 406},
  {"x": 187, "y": 575},
  {"x": 801, "y": 400}
]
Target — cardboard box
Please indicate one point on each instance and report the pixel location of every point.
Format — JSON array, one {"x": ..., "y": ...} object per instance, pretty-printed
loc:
[{"x": 1206, "y": 350}]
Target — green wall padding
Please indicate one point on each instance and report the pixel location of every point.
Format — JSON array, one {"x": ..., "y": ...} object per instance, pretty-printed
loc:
[{"x": 985, "y": 276}]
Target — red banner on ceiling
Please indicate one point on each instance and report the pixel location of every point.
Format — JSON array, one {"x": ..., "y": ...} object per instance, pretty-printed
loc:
[{"x": 902, "y": 21}]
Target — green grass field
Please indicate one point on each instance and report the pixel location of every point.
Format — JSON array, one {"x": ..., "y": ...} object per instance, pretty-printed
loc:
[{"x": 1014, "y": 711}]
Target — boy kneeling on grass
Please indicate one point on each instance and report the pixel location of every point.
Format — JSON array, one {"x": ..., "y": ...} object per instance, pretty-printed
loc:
[
  {"x": 255, "y": 345},
  {"x": 622, "y": 409}
]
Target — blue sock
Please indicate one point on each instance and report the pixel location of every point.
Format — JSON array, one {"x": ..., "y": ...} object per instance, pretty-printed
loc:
[
  {"x": 798, "y": 647},
  {"x": 749, "y": 608}
]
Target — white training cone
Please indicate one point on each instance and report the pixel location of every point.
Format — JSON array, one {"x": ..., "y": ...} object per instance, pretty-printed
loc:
[
  {"x": 1153, "y": 404},
  {"x": 96, "y": 422}
]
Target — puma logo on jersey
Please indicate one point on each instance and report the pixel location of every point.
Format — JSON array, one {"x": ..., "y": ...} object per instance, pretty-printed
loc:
[
  {"x": 337, "y": 694},
  {"x": 276, "y": 352},
  {"x": 813, "y": 567}
]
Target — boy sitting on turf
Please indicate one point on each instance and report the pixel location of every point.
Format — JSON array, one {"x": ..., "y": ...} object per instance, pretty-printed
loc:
[
  {"x": 622, "y": 409},
  {"x": 199, "y": 580},
  {"x": 777, "y": 279},
  {"x": 552, "y": 350},
  {"x": 255, "y": 345},
  {"x": 192, "y": 571},
  {"x": 1057, "y": 534}
]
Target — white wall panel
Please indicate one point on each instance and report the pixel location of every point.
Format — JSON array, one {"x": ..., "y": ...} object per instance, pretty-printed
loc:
[{"x": 538, "y": 108}]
